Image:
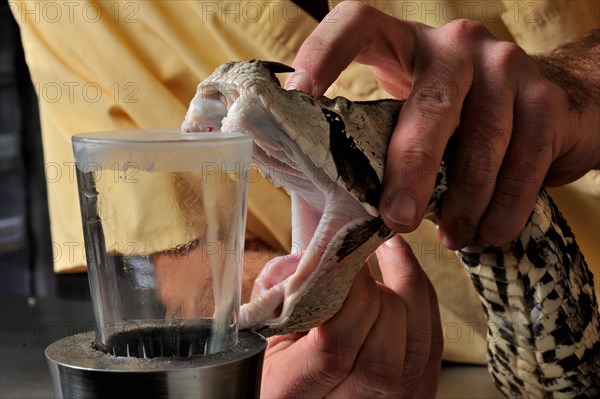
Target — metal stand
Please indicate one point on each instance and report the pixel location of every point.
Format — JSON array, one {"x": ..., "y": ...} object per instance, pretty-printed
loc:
[{"x": 80, "y": 371}]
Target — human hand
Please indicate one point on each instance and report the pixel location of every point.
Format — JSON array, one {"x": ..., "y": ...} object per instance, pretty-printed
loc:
[
  {"x": 515, "y": 128},
  {"x": 385, "y": 341},
  {"x": 184, "y": 283}
]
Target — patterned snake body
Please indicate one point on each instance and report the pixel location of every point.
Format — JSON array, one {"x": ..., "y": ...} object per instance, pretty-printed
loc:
[{"x": 537, "y": 292}]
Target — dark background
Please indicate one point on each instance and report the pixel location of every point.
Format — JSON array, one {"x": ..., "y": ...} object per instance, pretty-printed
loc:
[{"x": 37, "y": 306}]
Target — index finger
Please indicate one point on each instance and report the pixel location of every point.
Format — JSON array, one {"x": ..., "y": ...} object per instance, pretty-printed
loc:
[
  {"x": 351, "y": 31},
  {"x": 402, "y": 273},
  {"x": 441, "y": 80}
]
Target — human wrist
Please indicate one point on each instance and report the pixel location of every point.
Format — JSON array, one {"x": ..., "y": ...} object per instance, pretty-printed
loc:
[
  {"x": 573, "y": 67},
  {"x": 577, "y": 148}
]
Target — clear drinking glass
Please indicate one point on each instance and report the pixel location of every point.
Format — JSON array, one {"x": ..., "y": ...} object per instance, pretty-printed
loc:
[{"x": 164, "y": 218}]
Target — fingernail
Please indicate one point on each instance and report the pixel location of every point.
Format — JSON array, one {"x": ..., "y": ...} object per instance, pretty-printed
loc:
[
  {"x": 401, "y": 209},
  {"x": 299, "y": 81},
  {"x": 394, "y": 242}
]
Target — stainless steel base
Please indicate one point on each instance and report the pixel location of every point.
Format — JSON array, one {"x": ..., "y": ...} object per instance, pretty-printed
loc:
[{"x": 80, "y": 371}]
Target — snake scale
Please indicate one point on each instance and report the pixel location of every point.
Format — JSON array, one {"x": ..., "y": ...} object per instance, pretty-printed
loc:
[{"x": 537, "y": 292}]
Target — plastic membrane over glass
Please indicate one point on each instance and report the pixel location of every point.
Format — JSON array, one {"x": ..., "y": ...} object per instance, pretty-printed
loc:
[{"x": 164, "y": 218}]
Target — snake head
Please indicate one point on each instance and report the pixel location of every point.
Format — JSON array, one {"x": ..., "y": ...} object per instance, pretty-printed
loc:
[
  {"x": 329, "y": 155},
  {"x": 243, "y": 81}
]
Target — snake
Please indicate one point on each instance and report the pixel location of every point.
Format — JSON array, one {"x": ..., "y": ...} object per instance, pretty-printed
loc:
[{"x": 537, "y": 292}]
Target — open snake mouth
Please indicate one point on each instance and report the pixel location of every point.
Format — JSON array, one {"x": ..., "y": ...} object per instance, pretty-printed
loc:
[{"x": 322, "y": 209}]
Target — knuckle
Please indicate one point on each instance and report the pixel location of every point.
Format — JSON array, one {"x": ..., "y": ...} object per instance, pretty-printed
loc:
[
  {"x": 335, "y": 355},
  {"x": 334, "y": 366},
  {"x": 410, "y": 278},
  {"x": 540, "y": 146},
  {"x": 506, "y": 55},
  {"x": 498, "y": 232},
  {"x": 418, "y": 348},
  {"x": 501, "y": 224},
  {"x": 461, "y": 228},
  {"x": 464, "y": 30},
  {"x": 354, "y": 10},
  {"x": 542, "y": 101},
  {"x": 557, "y": 102},
  {"x": 366, "y": 299},
  {"x": 520, "y": 178},
  {"x": 381, "y": 377},
  {"x": 416, "y": 360},
  {"x": 473, "y": 174},
  {"x": 410, "y": 377},
  {"x": 418, "y": 158},
  {"x": 355, "y": 6},
  {"x": 474, "y": 168},
  {"x": 435, "y": 98},
  {"x": 367, "y": 302},
  {"x": 507, "y": 194},
  {"x": 545, "y": 119},
  {"x": 490, "y": 126},
  {"x": 543, "y": 94},
  {"x": 380, "y": 374}
]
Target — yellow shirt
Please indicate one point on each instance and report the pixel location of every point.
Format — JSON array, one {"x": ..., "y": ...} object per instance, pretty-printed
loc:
[{"x": 121, "y": 65}]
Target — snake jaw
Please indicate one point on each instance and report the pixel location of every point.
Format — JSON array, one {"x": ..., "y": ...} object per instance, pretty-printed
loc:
[
  {"x": 320, "y": 226},
  {"x": 283, "y": 282},
  {"x": 210, "y": 106},
  {"x": 285, "y": 279}
]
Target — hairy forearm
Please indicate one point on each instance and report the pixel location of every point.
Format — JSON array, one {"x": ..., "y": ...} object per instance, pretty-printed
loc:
[{"x": 574, "y": 67}]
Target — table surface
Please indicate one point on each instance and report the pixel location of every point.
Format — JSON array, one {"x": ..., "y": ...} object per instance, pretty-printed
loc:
[{"x": 28, "y": 326}]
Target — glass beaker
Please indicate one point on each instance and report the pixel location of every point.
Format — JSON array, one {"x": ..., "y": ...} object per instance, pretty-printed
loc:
[{"x": 163, "y": 218}]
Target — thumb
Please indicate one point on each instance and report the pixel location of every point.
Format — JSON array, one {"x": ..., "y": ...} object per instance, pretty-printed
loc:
[
  {"x": 403, "y": 274},
  {"x": 399, "y": 266}
]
